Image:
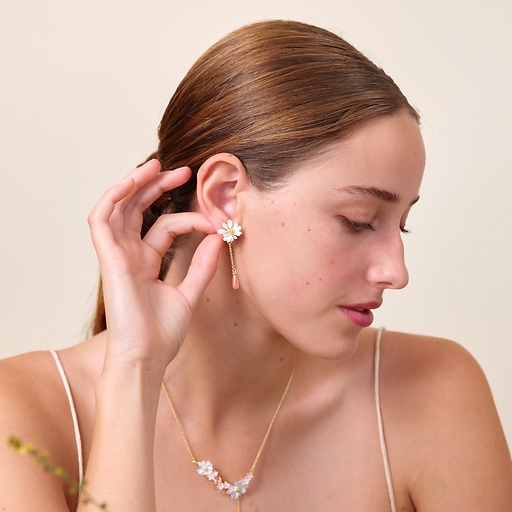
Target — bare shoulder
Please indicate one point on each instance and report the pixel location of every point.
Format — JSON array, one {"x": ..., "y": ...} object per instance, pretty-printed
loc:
[
  {"x": 448, "y": 448},
  {"x": 426, "y": 363},
  {"x": 30, "y": 388},
  {"x": 34, "y": 408}
]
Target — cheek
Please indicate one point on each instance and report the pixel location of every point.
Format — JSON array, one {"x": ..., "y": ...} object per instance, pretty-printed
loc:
[{"x": 296, "y": 263}]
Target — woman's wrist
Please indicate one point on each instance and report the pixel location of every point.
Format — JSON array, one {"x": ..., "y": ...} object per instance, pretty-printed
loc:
[
  {"x": 134, "y": 363},
  {"x": 131, "y": 383}
]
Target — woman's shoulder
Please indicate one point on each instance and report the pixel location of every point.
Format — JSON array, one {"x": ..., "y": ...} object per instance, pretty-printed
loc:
[
  {"x": 33, "y": 402},
  {"x": 34, "y": 411},
  {"x": 433, "y": 377},
  {"x": 27, "y": 381},
  {"x": 415, "y": 357},
  {"x": 32, "y": 386},
  {"x": 34, "y": 380},
  {"x": 411, "y": 364},
  {"x": 438, "y": 409}
]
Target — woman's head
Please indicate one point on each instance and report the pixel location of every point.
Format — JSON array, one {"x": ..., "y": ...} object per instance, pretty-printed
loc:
[
  {"x": 273, "y": 94},
  {"x": 318, "y": 253}
]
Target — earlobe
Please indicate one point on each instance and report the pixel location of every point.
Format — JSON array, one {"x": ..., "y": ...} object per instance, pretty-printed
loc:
[{"x": 221, "y": 181}]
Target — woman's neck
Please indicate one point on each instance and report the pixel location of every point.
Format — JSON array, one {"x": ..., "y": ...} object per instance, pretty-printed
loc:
[
  {"x": 230, "y": 356},
  {"x": 229, "y": 363}
]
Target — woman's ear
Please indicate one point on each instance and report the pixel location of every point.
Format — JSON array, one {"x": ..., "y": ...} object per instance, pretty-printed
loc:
[{"x": 221, "y": 182}]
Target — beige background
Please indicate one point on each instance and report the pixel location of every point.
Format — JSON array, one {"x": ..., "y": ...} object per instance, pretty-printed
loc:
[{"x": 83, "y": 86}]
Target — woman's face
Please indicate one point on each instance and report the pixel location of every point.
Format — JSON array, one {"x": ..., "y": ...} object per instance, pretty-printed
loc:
[{"x": 329, "y": 243}]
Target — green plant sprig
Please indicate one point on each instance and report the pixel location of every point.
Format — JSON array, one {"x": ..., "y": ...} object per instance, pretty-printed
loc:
[{"x": 43, "y": 458}]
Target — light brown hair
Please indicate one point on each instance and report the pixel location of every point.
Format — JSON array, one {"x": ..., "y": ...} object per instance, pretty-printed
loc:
[{"x": 272, "y": 93}]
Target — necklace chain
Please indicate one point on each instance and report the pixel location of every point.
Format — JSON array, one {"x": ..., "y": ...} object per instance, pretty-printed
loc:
[{"x": 249, "y": 475}]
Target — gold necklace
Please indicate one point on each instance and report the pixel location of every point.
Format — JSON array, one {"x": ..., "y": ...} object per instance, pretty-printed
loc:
[{"x": 206, "y": 468}]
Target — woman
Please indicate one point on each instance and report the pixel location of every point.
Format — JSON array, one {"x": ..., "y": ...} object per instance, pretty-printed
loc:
[{"x": 255, "y": 359}]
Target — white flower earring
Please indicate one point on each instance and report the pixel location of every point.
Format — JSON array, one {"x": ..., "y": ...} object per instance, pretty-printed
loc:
[{"x": 232, "y": 230}]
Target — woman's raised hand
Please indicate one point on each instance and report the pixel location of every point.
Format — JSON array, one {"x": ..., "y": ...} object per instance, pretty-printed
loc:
[{"x": 147, "y": 319}]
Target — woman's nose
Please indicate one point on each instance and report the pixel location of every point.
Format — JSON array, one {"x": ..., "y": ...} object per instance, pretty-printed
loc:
[{"x": 387, "y": 269}]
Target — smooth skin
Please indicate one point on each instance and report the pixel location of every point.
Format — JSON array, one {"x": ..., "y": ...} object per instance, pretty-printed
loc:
[{"x": 309, "y": 250}]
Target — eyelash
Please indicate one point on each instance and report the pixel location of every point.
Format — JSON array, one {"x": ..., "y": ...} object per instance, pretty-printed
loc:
[{"x": 357, "y": 227}]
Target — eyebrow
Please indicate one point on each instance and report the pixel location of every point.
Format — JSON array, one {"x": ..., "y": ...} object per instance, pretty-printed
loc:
[{"x": 383, "y": 195}]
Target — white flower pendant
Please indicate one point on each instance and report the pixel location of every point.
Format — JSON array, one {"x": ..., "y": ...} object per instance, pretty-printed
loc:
[
  {"x": 232, "y": 230},
  {"x": 234, "y": 490}
]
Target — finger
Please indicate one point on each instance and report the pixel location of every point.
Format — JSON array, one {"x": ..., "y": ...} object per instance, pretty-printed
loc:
[
  {"x": 141, "y": 176},
  {"x": 145, "y": 172},
  {"x": 202, "y": 269},
  {"x": 148, "y": 194},
  {"x": 99, "y": 218},
  {"x": 167, "y": 227}
]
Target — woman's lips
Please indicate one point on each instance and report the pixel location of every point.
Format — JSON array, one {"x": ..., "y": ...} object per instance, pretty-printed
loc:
[{"x": 360, "y": 314}]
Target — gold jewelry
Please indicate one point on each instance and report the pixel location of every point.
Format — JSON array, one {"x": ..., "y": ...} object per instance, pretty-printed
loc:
[
  {"x": 232, "y": 230},
  {"x": 206, "y": 467}
]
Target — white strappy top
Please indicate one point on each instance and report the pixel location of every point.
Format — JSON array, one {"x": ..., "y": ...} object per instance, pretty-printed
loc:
[
  {"x": 76, "y": 428},
  {"x": 382, "y": 439},
  {"x": 383, "y": 446}
]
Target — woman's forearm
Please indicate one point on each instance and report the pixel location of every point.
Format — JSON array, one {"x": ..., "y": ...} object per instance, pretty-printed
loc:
[{"x": 120, "y": 471}]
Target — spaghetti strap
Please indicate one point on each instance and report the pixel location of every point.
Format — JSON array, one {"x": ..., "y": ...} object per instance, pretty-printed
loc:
[
  {"x": 78, "y": 437},
  {"x": 383, "y": 447}
]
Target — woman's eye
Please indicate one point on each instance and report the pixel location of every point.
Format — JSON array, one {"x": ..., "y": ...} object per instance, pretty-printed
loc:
[{"x": 356, "y": 227}]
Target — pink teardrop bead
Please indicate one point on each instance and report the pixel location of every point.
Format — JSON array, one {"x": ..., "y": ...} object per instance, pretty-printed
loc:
[{"x": 234, "y": 282}]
